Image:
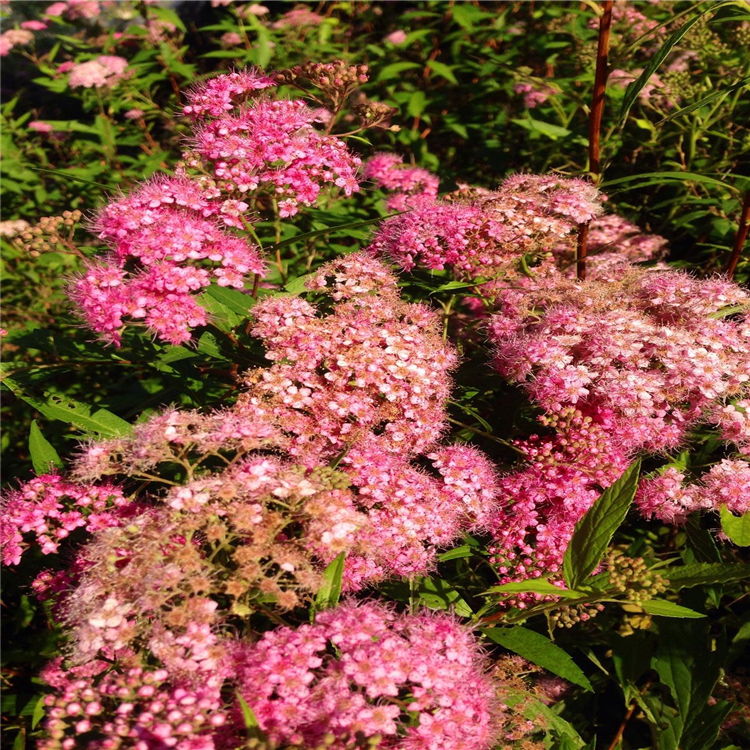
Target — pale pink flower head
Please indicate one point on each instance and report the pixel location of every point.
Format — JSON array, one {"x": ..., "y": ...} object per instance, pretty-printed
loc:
[
  {"x": 255, "y": 9},
  {"x": 86, "y": 9},
  {"x": 133, "y": 114},
  {"x": 230, "y": 39},
  {"x": 297, "y": 18},
  {"x": 104, "y": 71},
  {"x": 40, "y": 127},
  {"x": 396, "y": 37},
  {"x": 535, "y": 94},
  {"x": 14, "y": 38}
]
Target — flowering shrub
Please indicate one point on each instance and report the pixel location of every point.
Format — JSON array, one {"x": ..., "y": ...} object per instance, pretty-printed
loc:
[{"x": 420, "y": 429}]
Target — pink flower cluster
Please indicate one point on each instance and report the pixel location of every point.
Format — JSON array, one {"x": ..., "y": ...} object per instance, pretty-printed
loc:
[
  {"x": 375, "y": 364},
  {"x": 14, "y": 38},
  {"x": 165, "y": 246},
  {"x": 272, "y": 144},
  {"x": 103, "y": 71},
  {"x": 669, "y": 498},
  {"x": 484, "y": 235},
  {"x": 74, "y": 9},
  {"x": 637, "y": 362},
  {"x": 407, "y": 183},
  {"x": 384, "y": 666},
  {"x": 169, "y": 238},
  {"x": 652, "y": 350},
  {"x": 138, "y": 707},
  {"x": 534, "y": 94},
  {"x": 50, "y": 509}
]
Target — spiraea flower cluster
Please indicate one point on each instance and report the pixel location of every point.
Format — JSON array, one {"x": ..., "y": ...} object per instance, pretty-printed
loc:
[
  {"x": 166, "y": 244},
  {"x": 171, "y": 237},
  {"x": 48, "y": 509},
  {"x": 383, "y": 667},
  {"x": 669, "y": 497},
  {"x": 482, "y": 234},
  {"x": 407, "y": 183}
]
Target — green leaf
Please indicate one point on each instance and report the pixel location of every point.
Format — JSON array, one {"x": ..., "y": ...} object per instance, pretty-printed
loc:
[
  {"x": 38, "y": 714},
  {"x": 689, "y": 668},
  {"x": 234, "y": 299},
  {"x": 438, "y": 594},
  {"x": 534, "y": 586},
  {"x": 66, "y": 177},
  {"x": 298, "y": 285},
  {"x": 544, "y": 128},
  {"x": 636, "y": 87},
  {"x": 705, "y": 574},
  {"x": 530, "y": 707},
  {"x": 595, "y": 530},
  {"x": 540, "y": 650},
  {"x": 655, "y": 178},
  {"x": 443, "y": 70},
  {"x": 330, "y": 591},
  {"x": 328, "y": 230},
  {"x": 100, "y": 422},
  {"x": 456, "y": 553},
  {"x": 664, "y": 608},
  {"x": 43, "y": 455},
  {"x": 706, "y": 99},
  {"x": 395, "y": 70},
  {"x": 250, "y": 720},
  {"x": 737, "y": 528}
]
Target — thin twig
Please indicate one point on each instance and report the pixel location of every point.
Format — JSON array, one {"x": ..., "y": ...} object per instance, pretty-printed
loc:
[
  {"x": 740, "y": 238},
  {"x": 626, "y": 719},
  {"x": 595, "y": 125}
]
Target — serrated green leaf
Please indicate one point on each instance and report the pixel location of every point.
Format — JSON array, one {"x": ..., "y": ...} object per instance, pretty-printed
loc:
[
  {"x": 394, "y": 70},
  {"x": 704, "y": 574},
  {"x": 38, "y": 713},
  {"x": 443, "y": 70},
  {"x": 664, "y": 608},
  {"x": 233, "y": 299},
  {"x": 595, "y": 530},
  {"x": 737, "y": 528},
  {"x": 438, "y": 594},
  {"x": 43, "y": 455},
  {"x": 540, "y": 650},
  {"x": 100, "y": 422},
  {"x": 330, "y": 591},
  {"x": 534, "y": 586},
  {"x": 298, "y": 285}
]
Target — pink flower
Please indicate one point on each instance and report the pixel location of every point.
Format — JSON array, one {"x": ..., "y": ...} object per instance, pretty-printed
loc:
[
  {"x": 254, "y": 9},
  {"x": 34, "y": 25},
  {"x": 14, "y": 38},
  {"x": 396, "y": 37},
  {"x": 40, "y": 127},
  {"x": 230, "y": 39},
  {"x": 105, "y": 70},
  {"x": 133, "y": 114},
  {"x": 534, "y": 94},
  {"x": 56, "y": 9}
]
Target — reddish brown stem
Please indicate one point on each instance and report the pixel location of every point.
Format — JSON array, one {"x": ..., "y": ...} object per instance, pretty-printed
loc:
[
  {"x": 595, "y": 125},
  {"x": 600, "y": 86},
  {"x": 628, "y": 716},
  {"x": 741, "y": 237}
]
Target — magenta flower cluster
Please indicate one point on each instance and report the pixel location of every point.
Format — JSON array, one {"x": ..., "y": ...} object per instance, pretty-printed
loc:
[
  {"x": 383, "y": 665},
  {"x": 170, "y": 238}
]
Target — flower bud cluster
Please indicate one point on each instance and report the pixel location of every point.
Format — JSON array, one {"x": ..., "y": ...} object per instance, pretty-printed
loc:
[
  {"x": 632, "y": 578},
  {"x": 49, "y": 233}
]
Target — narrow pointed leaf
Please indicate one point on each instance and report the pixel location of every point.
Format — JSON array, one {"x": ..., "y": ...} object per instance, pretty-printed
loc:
[
  {"x": 43, "y": 456},
  {"x": 595, "y": 530},
  {"x": 330, "y": 592},
  {"x": 664, "y": 608}
]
